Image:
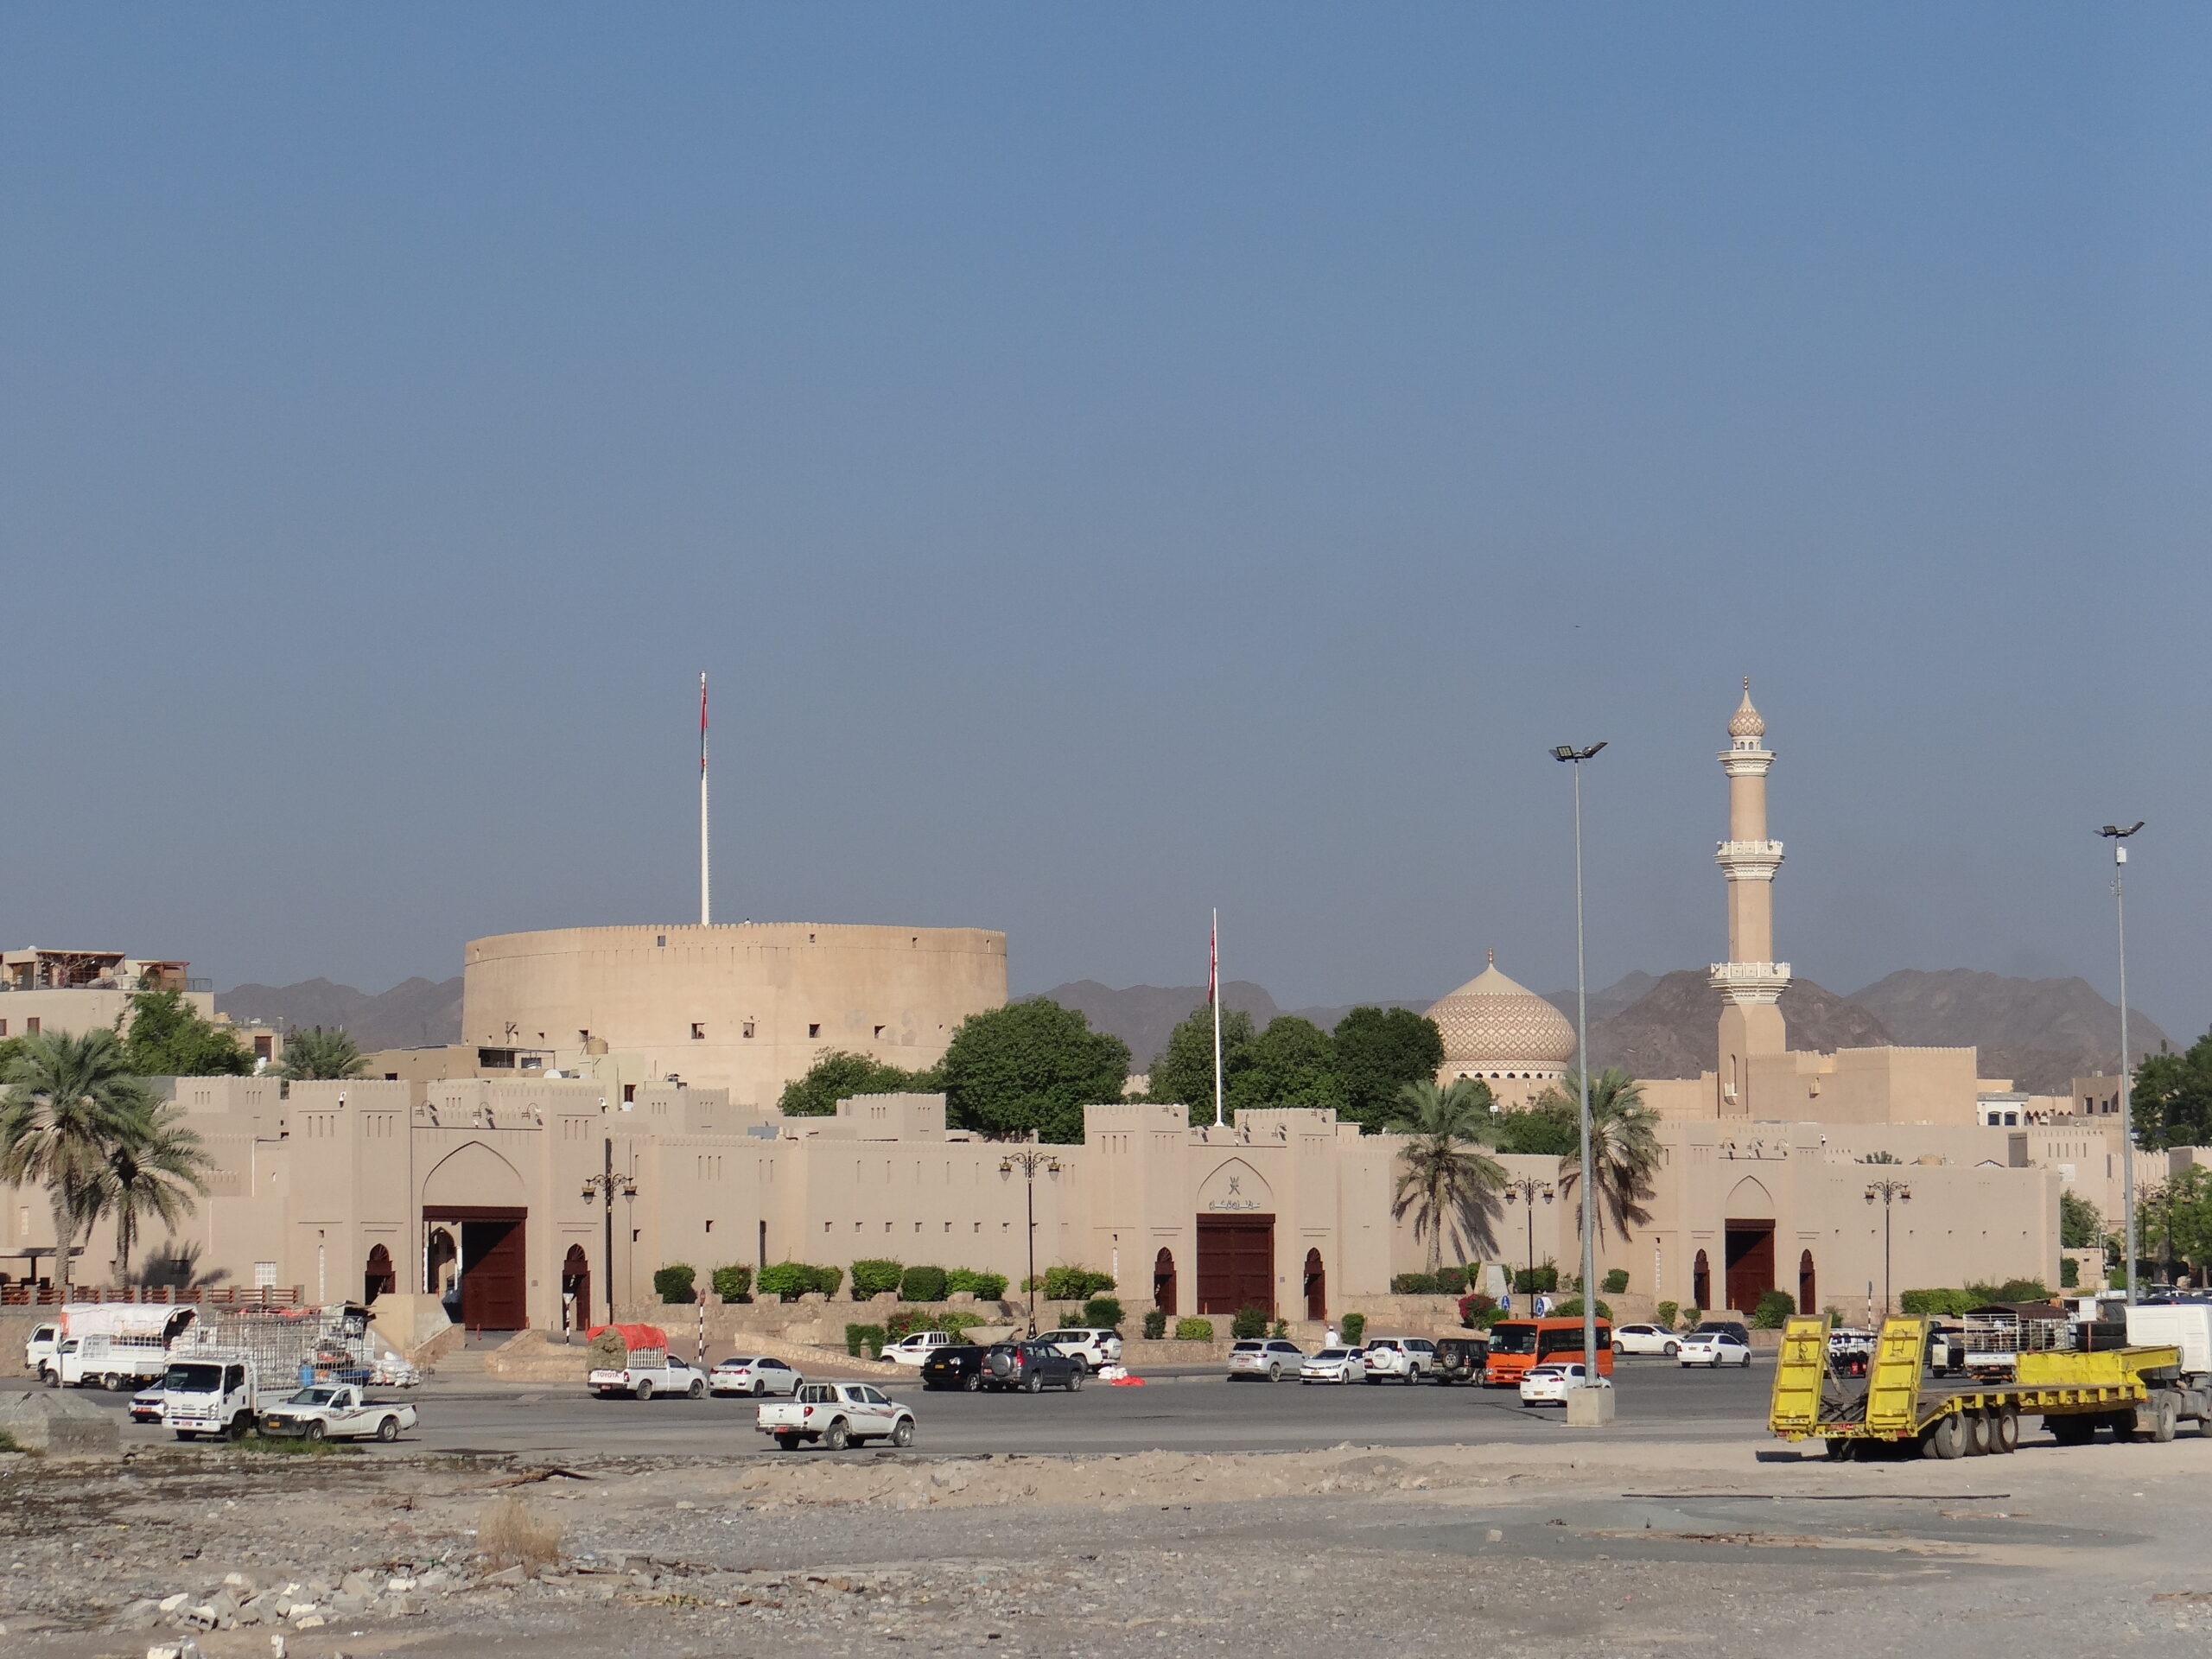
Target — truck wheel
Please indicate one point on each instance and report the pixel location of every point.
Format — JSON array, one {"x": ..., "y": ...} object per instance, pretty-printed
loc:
[
  {"x": 242, "y": 1424},
  {"x": 644, "y": 1389},
  {"x": 696, "y": 1391},
  {"x": 903, "y": 1433},
  {"x": 1973, "y": 1426},
  {"x": 317, "y": 1431},
  {"x": 2005, "y": 1431},
  {"x": 188, "y": 1434},
  {"x": 388, "y": 1430},
  {"x": 788, "y": 1442},
  {"x": 1946, "y": 1437},
  {"x": 2073, "y": 1428},
  {"x": 2165, "y": 1414},
  {"x": 837, "y": 1437},
  {"x": 1840, "y": 1451},
  {"x": 52, "y": 1379}
]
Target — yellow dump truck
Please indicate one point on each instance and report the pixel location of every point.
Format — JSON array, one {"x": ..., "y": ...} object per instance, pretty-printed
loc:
[{"x": 2134, "y": 1391}]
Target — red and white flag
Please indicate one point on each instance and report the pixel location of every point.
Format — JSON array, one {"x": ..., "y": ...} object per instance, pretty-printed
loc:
[
  {"x": 703, "y": 722},
  {"x": 1213, "y": 960}
]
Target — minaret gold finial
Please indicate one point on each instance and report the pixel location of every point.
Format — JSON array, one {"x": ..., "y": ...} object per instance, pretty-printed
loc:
[
  {"x": 1747, "y": 722},
  {"x": 1493, "y": 958}
]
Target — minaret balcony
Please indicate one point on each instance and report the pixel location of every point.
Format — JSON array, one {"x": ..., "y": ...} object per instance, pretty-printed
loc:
[
  {"x": 1750, "y": 982},
  {"x": 1749, "y": 860}
]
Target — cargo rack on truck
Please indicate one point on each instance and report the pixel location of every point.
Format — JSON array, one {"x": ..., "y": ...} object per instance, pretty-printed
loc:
[
  {"x": 2131, "y": 1391},
  {"x": 334, "y": 1342}
]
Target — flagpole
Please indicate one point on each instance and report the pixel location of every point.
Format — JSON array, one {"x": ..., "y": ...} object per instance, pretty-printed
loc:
[
  {"x": 1213, "y": 995},
  {"x": 705, "y": 876}
]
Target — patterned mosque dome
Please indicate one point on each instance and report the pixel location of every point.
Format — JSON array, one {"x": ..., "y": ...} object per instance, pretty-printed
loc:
[
  {"x": 1748, "y": 722},
  {"x": 1493, "y": 1027}
]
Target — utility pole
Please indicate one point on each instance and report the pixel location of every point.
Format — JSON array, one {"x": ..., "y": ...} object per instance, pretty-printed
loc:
[
  {"x": 1525, "y": 1192},
  {"x": 2118, "y": 837},
  {"x": 1890, "y": 1192},
  {"x": 604, "y": 1187},
  {"x": 1576, "y": 757}
]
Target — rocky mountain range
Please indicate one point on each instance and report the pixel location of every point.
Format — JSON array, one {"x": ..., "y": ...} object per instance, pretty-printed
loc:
[{"x": 2040, "y": 1033}]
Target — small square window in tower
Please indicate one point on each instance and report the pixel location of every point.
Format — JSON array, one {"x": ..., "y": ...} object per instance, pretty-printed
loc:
[
  {"x": 698, "y": 1031},
  {"x": 747, "y": 1030},
  {"x": 814, "y": 1029}
]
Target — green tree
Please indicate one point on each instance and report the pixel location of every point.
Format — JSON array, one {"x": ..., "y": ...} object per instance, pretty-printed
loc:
[
  {"x": 316, "y": 1055},
  {"x": 156, "y": 1171},
  {"x": 840, "y": 1075},
  {"x": 165, "y": 1037},
  {"x": 1445, "y": 1179},
  {"x": 2175, "y": 1217},
  {"x": 2173, "y": 1097},
  {"x": 1623, "y": 1148},
  {"x": 1548, "y": 1126},
  {"x": 1183, "y": 1074},
  {"x": 1031, "y": 1065},
  {"x": 2080, "y": 1226},
  {"x": 68, "y": 1099},
  {"x": 1379, "y": 1051},
  {"x": 1292, "y": 1062}
]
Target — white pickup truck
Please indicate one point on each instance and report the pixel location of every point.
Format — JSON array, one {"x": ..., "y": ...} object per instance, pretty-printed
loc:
[
  {"x": 646, "y": 1377},
  {"x": 114, "y": 1361},
  {"x": 336, "y": 1411},
  {"x": 838, "y": 1414}
]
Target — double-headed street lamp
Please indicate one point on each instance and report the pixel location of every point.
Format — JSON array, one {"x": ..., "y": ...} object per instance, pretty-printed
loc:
[
  {"x": 1525, "y": 1192},
  {"x": 2118, "y": 837},
  {"x": 1891, "y": 1192},
  {"x": 1568, "y": 753},
  {"x": 606, "y": 1186},
  {"x": 1029, "y": 1161}
]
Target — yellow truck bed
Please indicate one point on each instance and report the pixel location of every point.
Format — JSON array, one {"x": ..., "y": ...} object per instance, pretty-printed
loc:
[{"x": 1900, "y": 1404}]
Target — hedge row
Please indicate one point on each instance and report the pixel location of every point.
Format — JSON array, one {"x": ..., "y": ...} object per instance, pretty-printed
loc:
[{"x": 1954, "y": 1303}]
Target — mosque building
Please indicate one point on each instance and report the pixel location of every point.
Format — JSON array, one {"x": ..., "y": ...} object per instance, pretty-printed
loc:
[{"x": 659, "y": 1053}]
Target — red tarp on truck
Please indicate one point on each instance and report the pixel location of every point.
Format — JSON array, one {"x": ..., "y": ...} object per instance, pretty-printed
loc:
[{"x": 637, "y": 1339}]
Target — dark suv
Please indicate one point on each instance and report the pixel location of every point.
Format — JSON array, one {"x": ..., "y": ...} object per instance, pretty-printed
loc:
[
  {"x": 1030, "y": 1366},
  {"x": 960, "y": 1366},
  {"x": 1460, "y": 1359},
  {"x": 1726, "y": 1327}
]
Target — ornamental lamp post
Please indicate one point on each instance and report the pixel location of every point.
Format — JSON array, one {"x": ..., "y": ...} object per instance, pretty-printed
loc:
[
  {"x": 1525, "y": 1192},
  {"x": 1891, "y": 1192},
  {"x": 2119, "y": 838},
  {"x": 1029, "y": 1161},
  {"x": 606, "y": 1186}
]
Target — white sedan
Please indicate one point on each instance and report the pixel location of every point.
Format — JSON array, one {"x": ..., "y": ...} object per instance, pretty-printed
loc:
[
  {"x": 1713, "y": 1349},
  {"x": 1334, "y": 1365},
  {"x": 1645, "y": 1340},
  {"x": 1548, "y": 1384},
  {"x": 755, "y": 1375}
]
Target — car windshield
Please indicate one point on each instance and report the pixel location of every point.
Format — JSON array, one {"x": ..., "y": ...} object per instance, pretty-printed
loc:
[
  {"x": 1334, "y": 1353},
  {"x": 312, "y": 1397},
  {"x": 1512, "y": 1338},
  {"x": 194, "y": 1379}
]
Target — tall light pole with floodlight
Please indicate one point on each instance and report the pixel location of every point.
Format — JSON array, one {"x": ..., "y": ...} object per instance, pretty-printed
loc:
[
  {"x": 2118, "y": 837},
  {"x": 1575, "y": 757},
  {"x": 606, "y": 1187},
  {"x": 1029, "y": 1161}
]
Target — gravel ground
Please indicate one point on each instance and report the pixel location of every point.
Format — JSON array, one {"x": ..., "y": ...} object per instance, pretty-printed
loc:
[{"x": 1612, "y": 1549}]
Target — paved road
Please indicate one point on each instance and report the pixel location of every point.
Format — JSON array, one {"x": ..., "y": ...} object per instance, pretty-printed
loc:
[{"x": 1656, "y": 1401}]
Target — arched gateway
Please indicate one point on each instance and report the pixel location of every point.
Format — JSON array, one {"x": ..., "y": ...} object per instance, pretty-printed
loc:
[{"x": 477, "y": 1194}]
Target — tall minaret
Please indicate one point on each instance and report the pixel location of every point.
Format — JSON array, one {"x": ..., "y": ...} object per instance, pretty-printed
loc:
[{"x": 1750, "y": 982}]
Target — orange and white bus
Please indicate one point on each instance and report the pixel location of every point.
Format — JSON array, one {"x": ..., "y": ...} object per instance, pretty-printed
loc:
[{"x": 1517, "y": 1344}]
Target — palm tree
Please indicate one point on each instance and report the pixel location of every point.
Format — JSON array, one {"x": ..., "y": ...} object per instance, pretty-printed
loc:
[
  {"x": 317, "y": 1054},
  {"x": 68, "y": 1099},
  {"x": 1623, "y": 1148},
  {"x": 155, "y": 1168},
  {"x": 1446, "y": 1180}
]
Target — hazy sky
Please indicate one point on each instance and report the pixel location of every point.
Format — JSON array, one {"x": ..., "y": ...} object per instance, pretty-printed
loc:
[{"x": 1112, "y": 462}]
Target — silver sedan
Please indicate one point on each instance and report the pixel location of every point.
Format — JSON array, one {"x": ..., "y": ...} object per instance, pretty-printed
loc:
[
  {"x": 1270, "y": 1359},
  {"x": 753, "y": 1375},
  {"x": 1334, "y": 1365}
]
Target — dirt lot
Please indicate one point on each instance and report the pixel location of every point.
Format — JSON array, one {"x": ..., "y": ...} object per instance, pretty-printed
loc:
[{"x": 1644, "y": 1549}]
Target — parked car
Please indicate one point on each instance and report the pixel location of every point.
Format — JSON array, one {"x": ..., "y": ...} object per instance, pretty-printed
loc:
[
  {"x": 1713, "y": 1349},
  {"x": 1334, "y": 1365},
  {"x": 917, "y": 1347},
  {"x": 337, "y": 1412},
  {"x": 1645, "y": 1340},
  {"x": 1549, "y": 1384},
  {"x": 146, "y": 1406},
  {"x": 1030, "y": 1366},
  {"x": 1266, "y": 1358},
  {"x": 1461, "y": 1359},
  {"x": 1407, "y": 1358},
  {"x": 960, "y": 1367},
  {"x": 1735, "y": 1328},
  {"x": 755, "y": 1375},
  {"x": 1093, "y": 1345},
  {"x": 838, "y": 1414}
]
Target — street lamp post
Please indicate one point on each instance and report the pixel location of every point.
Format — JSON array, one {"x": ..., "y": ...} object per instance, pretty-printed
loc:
[
  {"x": 1575, "y": 757},
  {"x": 2118, "y": 837},
  {"x": 1890, "y": 1192},
  {"x": 604, "y": 1187},
  {"x": 1029, "y": 1161},
  {"x": 1525, "y": 1193}
]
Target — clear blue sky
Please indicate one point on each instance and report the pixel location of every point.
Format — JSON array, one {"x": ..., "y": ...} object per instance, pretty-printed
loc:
[{"x": 1112, "y": 463}]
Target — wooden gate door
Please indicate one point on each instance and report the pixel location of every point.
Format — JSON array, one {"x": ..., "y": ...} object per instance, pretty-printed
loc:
[
  {"x": 495, "y": 1267},
  {"x": 1236, "y": 1263},
  {"x": 1750, "y": 1262}
]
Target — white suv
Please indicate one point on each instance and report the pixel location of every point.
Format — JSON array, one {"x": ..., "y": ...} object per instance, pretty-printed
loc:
[
  {"x": 1093, "y": 1346},
  {"x": 1408, "y": 1359},
  {"x": 914, "y": 1349}
]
